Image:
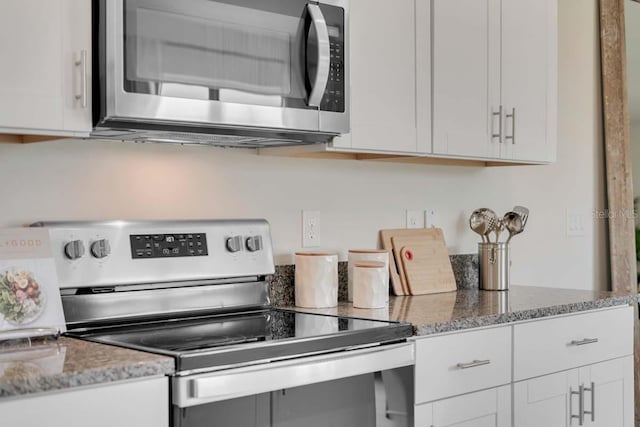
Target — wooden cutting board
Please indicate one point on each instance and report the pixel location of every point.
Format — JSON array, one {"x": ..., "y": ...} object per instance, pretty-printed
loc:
[
  {"x": 426, "y": 265},
  {"x": 396, "y": 268}
]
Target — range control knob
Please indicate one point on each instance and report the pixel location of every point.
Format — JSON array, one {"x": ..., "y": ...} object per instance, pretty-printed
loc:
[
  {"x": 234, "y": 244},
  {"x": 100, "y": 248},
  {"x": 254, "y": 243},
  {"x": 74, "y": 249}
]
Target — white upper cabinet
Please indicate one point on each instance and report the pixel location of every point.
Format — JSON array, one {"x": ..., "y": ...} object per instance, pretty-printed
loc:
[
  {"x": 466, "y": 77},
  {"x": 529, "y": 79},
  {"x": 45, "y": 77},
  {"x": 383, "y": 77},
  {"x": 494, "y": 79}
]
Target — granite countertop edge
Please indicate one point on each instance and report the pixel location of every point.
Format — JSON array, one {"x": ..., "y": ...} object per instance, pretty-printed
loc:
[
  {"x": 87, "y": 377},
  {"x": 520, "y": 315}
]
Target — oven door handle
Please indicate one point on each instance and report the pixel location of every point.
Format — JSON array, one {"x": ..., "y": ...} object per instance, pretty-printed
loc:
[
  {"x": 246, "y": 381},
  {"x": 319, "y": 69}
]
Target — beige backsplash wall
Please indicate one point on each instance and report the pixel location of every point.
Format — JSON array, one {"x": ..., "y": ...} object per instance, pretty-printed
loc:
[{"x": 75, "y": 179}]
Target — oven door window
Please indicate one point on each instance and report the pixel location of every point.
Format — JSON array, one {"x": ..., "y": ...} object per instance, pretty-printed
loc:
[{"x": 262, "y": 52}]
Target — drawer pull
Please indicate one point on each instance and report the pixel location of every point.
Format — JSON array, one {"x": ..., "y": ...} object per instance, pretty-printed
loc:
[
  {"x": 580, "y": 394},
  {"x": 473, "y": 364},
  {"x": 592, "y": 412},
  {"x": 584, "y": 341}
]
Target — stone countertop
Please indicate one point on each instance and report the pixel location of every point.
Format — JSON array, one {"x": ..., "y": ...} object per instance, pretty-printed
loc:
[
  {"x": 465, "y": 309},
  {"x": 68, "y": 362}
]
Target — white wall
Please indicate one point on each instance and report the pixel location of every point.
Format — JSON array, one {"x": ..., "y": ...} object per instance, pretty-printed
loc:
[{"x": 107, "y": 180}]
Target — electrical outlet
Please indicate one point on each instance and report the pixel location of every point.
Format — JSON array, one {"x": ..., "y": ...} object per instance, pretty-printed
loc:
[
  {"x": 430, "y": 218},
  {"x": 415, "y": 219},
  {"x": 310, "y": 229}
]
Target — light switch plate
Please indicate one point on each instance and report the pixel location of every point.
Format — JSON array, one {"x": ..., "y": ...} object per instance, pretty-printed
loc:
[{"x": 576, "y": 222}]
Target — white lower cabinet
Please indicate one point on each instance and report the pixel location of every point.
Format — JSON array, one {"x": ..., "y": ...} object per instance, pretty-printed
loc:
[
  {"x": 562, "y": 371},
  {"x": 595, "y": 395},
  {"x": 143, "y": 403},
  {"x": 488, "y": 408}
]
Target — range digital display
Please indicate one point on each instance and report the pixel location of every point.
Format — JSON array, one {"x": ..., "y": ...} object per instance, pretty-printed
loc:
[{"x": 168, "y": 245}]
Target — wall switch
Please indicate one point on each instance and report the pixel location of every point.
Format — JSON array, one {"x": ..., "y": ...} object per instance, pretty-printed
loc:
[
  {"x": 310, "y": 229},
  {"x": 576, "y": 223},
  {"x": 415, "y": 219},
  {"x": 430, "y": 218}
]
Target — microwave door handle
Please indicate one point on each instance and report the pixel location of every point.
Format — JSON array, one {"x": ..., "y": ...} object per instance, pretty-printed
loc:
[{"x": 323, "y": 58}]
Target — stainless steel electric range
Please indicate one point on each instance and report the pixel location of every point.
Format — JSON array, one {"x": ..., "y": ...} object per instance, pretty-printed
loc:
[{"x": 198, "y": 291}]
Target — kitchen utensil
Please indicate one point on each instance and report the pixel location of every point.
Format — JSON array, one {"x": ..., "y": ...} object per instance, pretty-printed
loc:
[
  {"x": 513, "y": 223},
  {"x": 492, "y": 221},
  {"x": 395, "y": 250},
  {"x": 498, "y": 229},
  {"x": 426, "y": 263},
  {"x": 524, "y": 214},
  {"x": 478, "y": 223},
  {"x": 395, "y": 265}
]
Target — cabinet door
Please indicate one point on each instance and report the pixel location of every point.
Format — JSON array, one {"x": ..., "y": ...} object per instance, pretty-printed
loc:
[
  {"x": 77, "y": 71},
  {"x": 489, "y": 408},
  {"x": 140, "y": 403},
  {"x": 529, "y": 79},
  {"x": 466, "y": 77},
  {"x": 383, "y": 79},
  {"x": 40, "y": 41},
  {"x": 546, "y": 401},
  {"x": 611, "y": 399}
]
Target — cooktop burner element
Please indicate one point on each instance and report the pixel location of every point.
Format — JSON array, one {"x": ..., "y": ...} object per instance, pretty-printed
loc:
[{"x": 193, "y": 290}]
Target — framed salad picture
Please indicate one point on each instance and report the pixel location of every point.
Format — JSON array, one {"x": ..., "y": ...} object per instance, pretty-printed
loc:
[{"x": 29, "y": 293}]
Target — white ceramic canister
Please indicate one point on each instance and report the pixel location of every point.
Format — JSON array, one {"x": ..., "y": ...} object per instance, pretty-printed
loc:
[
  {"x": 316, "y": 279},
  {"x": 365, "y": 255},
  {"x": 370, "y": 285}
]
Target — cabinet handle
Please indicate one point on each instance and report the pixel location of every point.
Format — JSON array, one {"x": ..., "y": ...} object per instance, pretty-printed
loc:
[
  {"x": 584, "y": 341},
  {"x": 512, "y": 116},
  {"x": 473, "y": 364},
  {"x": 592, "y": 390},
  {"x": 82, "y": 63},
  {"x": 580, "y": 394},
  {"x": 493, "y": 133}
]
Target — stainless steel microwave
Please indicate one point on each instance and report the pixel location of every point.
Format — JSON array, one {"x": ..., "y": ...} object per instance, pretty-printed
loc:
[{"x": 223, "y": 72}]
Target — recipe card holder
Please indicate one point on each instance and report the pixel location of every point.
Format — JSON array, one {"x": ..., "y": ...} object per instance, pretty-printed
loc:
[{"x": 30, "y": 302}]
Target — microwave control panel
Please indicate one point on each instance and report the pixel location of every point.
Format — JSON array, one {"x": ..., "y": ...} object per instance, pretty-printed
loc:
[{"x": 334, "y": 95}]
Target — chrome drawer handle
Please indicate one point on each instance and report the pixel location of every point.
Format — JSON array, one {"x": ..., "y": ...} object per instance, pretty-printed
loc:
[
  {"x": 82, "y": 63},
  {"x": 580, "y": 415},
  {"x": 499, "y": 115},
  {"x": 584, "y": 341},
  {"x": 473, "y": 364},
  {"x": 592, "y": 412}
]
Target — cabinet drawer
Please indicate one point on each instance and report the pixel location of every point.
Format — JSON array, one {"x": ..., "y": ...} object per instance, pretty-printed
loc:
[
  {"x": 553, "y": 345},
  {"x": 454, "y": 364}
]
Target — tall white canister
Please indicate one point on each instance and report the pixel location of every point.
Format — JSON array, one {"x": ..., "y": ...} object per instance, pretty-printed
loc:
[{"x": 316, "y": 279}]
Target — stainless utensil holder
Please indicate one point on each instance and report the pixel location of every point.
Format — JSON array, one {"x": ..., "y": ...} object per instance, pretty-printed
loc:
[{"x": 494, "y": 265}]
